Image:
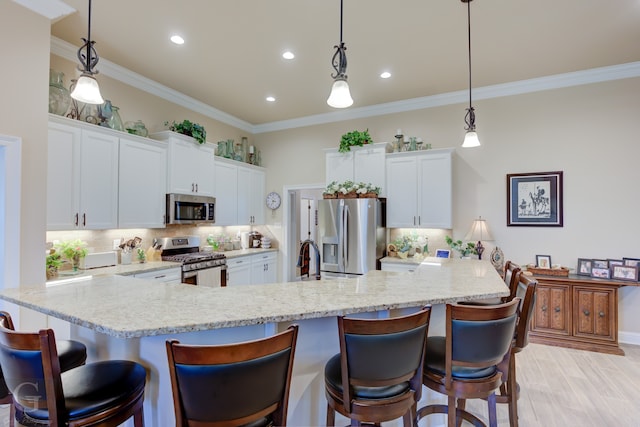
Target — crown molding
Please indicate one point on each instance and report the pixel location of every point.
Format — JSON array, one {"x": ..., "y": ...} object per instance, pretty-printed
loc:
[
  {"x": 50, "y": 9},
  {"x": 595, "y": 75}
]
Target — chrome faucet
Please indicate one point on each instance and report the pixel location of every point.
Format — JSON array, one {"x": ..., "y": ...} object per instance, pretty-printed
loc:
[{"x": 315, "y": 248}]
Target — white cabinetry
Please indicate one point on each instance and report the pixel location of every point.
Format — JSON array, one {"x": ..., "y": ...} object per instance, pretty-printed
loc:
[
  {"x": 171, "y": 275},
  {"x": 190, "y": 166},
  {"x": 253, "y": 269},
  {"x": 419, "y": 189},
  {"x": 398, "y": 267},
  {"x": 82, "y": 178},
  {"x": 361, "y": 164},
  {"x": 239, "y": 192},
  {"x": 142, "y": 185}
]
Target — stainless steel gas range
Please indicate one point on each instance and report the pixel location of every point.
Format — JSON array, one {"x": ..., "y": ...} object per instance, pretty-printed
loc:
[{"x": 198, "y": 268}]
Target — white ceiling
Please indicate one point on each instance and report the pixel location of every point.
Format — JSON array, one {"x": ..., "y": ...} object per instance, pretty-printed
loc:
[{"x": 232, "y": 56}]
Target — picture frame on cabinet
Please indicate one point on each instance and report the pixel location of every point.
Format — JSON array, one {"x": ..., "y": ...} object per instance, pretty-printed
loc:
[
  {"x": 535, "y": 199},
  {"x": 624, "y": 272},
  {"x": 584, "y": 267},
  {"x": 600, "y": 263},
  {"x": 632, "y": 262},
  {"x": 601, "y": 273},
  {"x": 613, "y": 262},
  {"x": 443, "y": 253},
  {"x": 543, "y": 261}
]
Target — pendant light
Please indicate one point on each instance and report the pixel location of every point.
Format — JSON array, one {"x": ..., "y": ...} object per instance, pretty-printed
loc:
[
  {"x": 340, "y": 96},
  {"x": 86, "y": 89},
  {"x": 471, "y": 137}
]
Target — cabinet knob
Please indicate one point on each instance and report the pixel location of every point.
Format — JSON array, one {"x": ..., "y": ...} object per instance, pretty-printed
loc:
[
  {"x": 76, "y": 219},
  {"x": 601, "y": 314},
  {"x": 196, "y": 187},
  {"x": 192, "y": 187},
  {"x": 586, "y": 312},
  {"x": 84, "y": 219},
  {"x": 557, "y": 309},
  {"x": 543, "y": 308}
]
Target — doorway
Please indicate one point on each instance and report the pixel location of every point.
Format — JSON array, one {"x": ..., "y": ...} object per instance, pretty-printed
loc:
[{"x": 300, "y": 212}]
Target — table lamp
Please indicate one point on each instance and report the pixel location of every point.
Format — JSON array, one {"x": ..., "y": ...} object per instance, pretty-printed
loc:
[{"x": 479, "y": 231}]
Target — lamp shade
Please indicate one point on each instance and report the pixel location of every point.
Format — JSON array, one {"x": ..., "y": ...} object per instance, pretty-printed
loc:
[
  {"x": 471, "y": 140},
  {"x": 340, "y": 96},
  {"x": 479, "y": 231},
  {"x": 87, "y": 90}
]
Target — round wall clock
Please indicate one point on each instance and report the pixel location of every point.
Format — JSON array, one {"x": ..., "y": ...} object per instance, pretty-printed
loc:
[
  {"x": 497, "y": 258},
  {"x": 273, "y": 200}
]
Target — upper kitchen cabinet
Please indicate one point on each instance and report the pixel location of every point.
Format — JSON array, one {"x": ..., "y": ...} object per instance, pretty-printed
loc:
[
  {"x": 82, "y": 177},
  {"x": 143, "y": 183},
  {"x": 361, "y": 164},
  {"x": 239, "y": 193},
  {"x": 419, "y": 189},
  {"x": 190, "y": 166}
]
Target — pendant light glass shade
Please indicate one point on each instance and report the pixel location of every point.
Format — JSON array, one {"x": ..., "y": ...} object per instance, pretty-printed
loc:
[
  {"x": 87, "y": 90},
  {"x": 471, "y": 139},
  {"x": 340, "y": 96}
]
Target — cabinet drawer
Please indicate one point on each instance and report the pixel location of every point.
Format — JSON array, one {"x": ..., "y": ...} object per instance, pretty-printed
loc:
[
  {"x": 553, "y": 310},
  {"x": 593, "y": 310}
]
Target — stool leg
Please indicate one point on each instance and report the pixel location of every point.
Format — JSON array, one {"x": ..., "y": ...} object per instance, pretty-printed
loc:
[
  {"x": 512, "y": 390},
  {"x": 461, "y": 405},
  {"x": 331, "y": 416},
  {"x": 451, "y": 411},
  {"x": 138, "y": 418},
  {"x": 493, "y": 417}
]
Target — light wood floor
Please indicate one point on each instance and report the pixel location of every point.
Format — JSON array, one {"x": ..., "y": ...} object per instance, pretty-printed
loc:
[
  {"x": 559, "y": 387},
  {"x": 569, "y": 388}
]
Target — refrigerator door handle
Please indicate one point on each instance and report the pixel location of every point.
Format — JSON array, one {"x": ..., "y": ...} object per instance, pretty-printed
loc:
[{"x": 345, "y": 235}]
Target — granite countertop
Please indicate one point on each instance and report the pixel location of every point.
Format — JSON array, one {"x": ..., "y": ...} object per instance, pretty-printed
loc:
[{"x": 125, "y": 307}]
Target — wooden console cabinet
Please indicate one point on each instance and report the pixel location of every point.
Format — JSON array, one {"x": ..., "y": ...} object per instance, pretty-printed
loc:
[{"x": 577, "y": 312}]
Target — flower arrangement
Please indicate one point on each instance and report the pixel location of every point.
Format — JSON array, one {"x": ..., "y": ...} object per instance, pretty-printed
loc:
[
  {"x": 53, "y": 262},
  {"x": 350, "y": 189},
  {"x": 73, "y": 250},
  {"x": 460, "y": 247},
  {"x": 189, "y": 128}
]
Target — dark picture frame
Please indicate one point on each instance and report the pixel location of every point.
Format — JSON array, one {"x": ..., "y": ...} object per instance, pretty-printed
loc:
[
  {"x": 601, "y": 273},
  {"x": 624, "y": 272},
  {"x": 584, "y": 267},
  {"x": 632, "y": 262},
  {"x": 535, "y": 199},
  {"x": 613, "y": 262},
  {"x": 600, "y": 263},
  {"x": 543, "y": 261}
]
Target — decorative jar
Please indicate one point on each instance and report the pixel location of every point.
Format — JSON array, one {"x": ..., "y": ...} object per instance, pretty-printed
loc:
[
  {"x": 115, "y": 122},
  {"x": 59, "y": 97}
]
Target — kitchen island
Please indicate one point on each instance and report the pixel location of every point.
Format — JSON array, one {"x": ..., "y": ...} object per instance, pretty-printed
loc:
[{"x": 121, "y": 317}]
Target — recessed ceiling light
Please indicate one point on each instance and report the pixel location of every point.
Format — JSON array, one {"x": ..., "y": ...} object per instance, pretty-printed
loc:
[
  {"x": 177, "y": 39},
  {"x": 270, "y": 99},
  {"x": 288, "y": 55},
  {"x": 385, "y": 75}
]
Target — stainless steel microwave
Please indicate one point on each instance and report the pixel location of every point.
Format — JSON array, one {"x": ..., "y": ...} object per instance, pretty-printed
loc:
[{"x": 190, "y": 209}]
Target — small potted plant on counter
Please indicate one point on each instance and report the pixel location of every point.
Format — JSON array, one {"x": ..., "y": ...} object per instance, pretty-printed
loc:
[
  {"x": 54, "y": 261},
  {"x": 465, "y": 250},
  {"x": 354, "y": 138},
  {"x": 73, "y": 251}
]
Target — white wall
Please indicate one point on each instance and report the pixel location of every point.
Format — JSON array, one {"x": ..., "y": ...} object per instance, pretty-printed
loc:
[{"x": 588, "y": 132}]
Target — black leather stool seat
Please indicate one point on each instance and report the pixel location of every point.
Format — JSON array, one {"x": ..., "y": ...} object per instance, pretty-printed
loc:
[
  {"x": 333, "y": 378},
  {"x": 435, "y": 361},
  {"x": 71, "y": 354},
  {"x": 90, "y": 389}
]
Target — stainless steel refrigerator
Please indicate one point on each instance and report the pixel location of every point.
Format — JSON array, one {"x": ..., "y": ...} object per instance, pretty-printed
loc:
[{"x": 352, "y": 235}]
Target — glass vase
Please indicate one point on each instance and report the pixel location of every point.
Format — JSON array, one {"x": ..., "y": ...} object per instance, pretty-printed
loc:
[
  {"x": 115, "y": 122},
  {"x": 59, "y": 97}
]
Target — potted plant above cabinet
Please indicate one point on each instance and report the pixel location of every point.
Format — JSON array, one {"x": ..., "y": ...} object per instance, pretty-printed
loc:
[{"x": 354, "y": 138}]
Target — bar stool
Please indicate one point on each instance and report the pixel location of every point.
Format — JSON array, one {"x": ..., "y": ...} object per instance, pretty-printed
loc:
[
  {"x": 464, "y": 364},
  {"x": 511, "y": 270},
  {"x": 103, "y": 393},
  {"x": 233, "y": 384},
  {"x": 71, "y": 354},
  {"x": 377, "y": 375}
]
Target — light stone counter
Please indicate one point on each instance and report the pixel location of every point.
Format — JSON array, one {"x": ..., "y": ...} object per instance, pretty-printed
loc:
[{"x": 120, "y": 317}]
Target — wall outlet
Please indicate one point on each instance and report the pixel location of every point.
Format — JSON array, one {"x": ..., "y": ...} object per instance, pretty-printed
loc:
[{"x": 116, "y": 244}]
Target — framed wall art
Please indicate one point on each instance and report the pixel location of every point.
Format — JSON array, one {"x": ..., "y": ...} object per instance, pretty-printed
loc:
[
  {"x": 624, "y": 272},
  {"x": 534, "y": 199}
]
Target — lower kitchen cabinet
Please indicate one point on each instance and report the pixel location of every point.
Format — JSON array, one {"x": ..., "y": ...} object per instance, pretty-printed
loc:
[
  {"x": 577, "y": 312},
  {"x": 252, "y": 269},
  {"x": 171, "y": 275}
]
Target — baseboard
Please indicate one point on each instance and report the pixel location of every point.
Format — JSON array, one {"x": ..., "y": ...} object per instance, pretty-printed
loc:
[{"x": 629, "y": 338}]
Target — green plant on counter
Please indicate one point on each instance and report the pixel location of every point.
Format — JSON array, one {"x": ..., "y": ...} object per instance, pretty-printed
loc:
[
  {"x": 354, "y": 138},
  {"x": 72, "y": 249},
  {"x": 189, "y": 128},
  {"x": 142, "y": 256},
  {"x": 54, "y": 260},
  {"x": 460, "y": 247}
]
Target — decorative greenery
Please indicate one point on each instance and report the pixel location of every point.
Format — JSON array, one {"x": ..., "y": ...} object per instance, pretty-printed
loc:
[
  {"x": 54, "y": 260},
  {"x": 190, "y": 129},
  {"x": 141, "y": 255},
  {"x": 354, "y": 138},
  {"x": 73, "y": 249},
  {"x": 461, "y": 248},
  {"x": 351, "y": 187},
  {"x": 404, "y": 243}
]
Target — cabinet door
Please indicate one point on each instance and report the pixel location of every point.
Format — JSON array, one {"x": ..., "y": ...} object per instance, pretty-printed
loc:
[
  {"x": 369, "y": 166},
  {"x": 435, "y": 190},
  {"x": 239, "y": 271},
  {"x": 338, "y": 167},
  {"x": 226, "y": 194},
  {"x": 63, "y": 177},
  {"x": 181, "y": 176},
  {"x": 251, "y": 184},
  {"x": 263, "y": 268},
  {"x": 142, "y": 184},
  {"x": 594, "y": 310},
  {"x": 402, "y": 191},
  {"x": 205, "y": 170},
  {"x": 98, "y": 181},
  {"x": 258, "y": 196},
  {"x": 553, "y": 309}
]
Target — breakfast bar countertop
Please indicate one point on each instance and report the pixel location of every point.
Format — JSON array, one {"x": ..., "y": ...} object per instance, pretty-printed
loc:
[{"x": 126, "y": 307}]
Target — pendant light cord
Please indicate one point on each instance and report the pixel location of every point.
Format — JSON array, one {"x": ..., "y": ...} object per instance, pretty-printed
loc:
[
  {"x": 341, "y": 1},
  {"x": 469, "y": 42}
]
